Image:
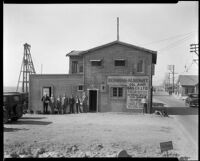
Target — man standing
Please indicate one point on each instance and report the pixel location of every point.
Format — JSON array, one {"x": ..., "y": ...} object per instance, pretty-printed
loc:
[
  {"x": 52, "y": 104},
  {"x": 77, "y": 104},
  {"x": 66, "y": 104},
  {"x": 84, "y": 98},
  {"x": 71, "y": 104},
  {"x": 45, "y": 100},
  {"x": 144, "y": 102},
  {"x": 58, "y": 103},
  {"x": 63, "y": 104}
]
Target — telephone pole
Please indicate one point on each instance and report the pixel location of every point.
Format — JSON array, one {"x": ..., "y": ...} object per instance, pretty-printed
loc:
[
  {"x": 195, "y": 49},
  {"x": 171, "y": 68}
]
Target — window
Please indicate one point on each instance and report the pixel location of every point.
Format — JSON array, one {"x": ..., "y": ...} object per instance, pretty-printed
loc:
[
  {"x": 80, "y": 87},
  {"x": 120, "y": 62},
  {"x": 81, "y": 68},
  {"x": 140, "y": 66},
  {"x": 74, "y": 66},
  {"x": 95, "y": 62},
  {"x": 117, "y": 91}
]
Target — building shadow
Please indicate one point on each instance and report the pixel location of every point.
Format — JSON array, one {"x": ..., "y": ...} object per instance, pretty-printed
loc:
[
  {"x": 29, "y": 122},
  {"x": 32, "y": 117},
  {"x": 5, "y": 129},
  {"x": 178, "y": 110}
]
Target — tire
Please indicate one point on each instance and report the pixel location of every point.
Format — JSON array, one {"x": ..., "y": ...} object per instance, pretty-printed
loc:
[
  {"x": 14, "y": 119},
  {"x": 5, "y": 117},
  {"x": 19, "y": 111}
]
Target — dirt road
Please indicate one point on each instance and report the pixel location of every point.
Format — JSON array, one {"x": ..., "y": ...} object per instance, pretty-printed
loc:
[{"x": 92, "y": 135}]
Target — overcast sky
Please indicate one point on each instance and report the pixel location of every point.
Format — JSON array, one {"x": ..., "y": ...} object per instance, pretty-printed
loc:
[{"x": 53, "y": 30}]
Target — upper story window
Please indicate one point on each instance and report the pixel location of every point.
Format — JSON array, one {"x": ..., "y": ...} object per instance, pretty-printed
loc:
[
  {"x": 119, "y": 62},
  {"x": 140, "y": 66},
  {"x": 74, "y": 66},
  {"x": 96, "y": 62},
  {"x": 81, "y": 68}
]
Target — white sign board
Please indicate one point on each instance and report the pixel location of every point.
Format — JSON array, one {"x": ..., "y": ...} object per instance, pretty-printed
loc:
[{"x": 137, "y": 88}]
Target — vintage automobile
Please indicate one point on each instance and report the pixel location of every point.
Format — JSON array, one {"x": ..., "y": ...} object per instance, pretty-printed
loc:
[
  {"x": 13, "y": 104},
  {"x": 192, "y": 100}
]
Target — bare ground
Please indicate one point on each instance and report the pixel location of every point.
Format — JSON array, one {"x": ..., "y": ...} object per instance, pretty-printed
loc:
[{"x": 94, "y": 135}]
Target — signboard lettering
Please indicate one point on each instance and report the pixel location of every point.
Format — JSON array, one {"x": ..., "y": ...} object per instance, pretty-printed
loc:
[
  {"x": 165, "y": 146},
  {"x": 137, "y": 88}
]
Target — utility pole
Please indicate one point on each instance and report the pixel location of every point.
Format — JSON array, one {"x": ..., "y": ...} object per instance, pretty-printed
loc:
[
  {"x": 195, "y": 48},
  {"x": 171, "y": 68}
]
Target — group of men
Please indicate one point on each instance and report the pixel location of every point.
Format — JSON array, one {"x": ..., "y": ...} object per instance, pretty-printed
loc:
[{"x": 60, "y": 104}]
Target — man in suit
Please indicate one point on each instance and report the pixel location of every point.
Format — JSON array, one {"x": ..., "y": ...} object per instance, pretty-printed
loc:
[
  {"x": 71, "y": 104},
  {"x": 45, "y": 100}
]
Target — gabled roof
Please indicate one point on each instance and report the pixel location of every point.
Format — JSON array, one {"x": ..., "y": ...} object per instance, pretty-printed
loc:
[
  {"x": 188, "y": 80},
  {"x": 74, "y": 53},
  {"x": 79, "y": 53}
]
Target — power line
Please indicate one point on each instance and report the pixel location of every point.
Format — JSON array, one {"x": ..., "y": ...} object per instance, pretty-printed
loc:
[
  {"x": 176, "y": 43},
  {"x": 172, "y": 37}
]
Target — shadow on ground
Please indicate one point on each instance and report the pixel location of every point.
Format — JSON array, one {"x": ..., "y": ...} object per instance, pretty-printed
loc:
[
  {"x": 5, "y": 129},
  {"x": 178, "y": 110},
  {"x": 33, "y": 117},
  {"x": 30, "y": 122}
]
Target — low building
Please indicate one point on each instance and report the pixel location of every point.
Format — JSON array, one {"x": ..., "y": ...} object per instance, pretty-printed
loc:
[
  {"x": 187, "y": 84},
  {"x": 114, "y": 76}
]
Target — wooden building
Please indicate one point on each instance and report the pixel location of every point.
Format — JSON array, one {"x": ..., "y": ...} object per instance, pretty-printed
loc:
[{"x": 115, "y": 77}]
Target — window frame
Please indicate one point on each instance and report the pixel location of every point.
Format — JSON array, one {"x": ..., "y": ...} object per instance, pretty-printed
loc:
[
  {"x": 97, "y": 61},
  {"x": 73, "y": 65},
  {"x": 118, "y": 95},
  {"x": 81, "y": 67},
  {"x": 79, "y": 86},
  {"x": 141, "y": 66},
  {"x": 119, "y": 65}
]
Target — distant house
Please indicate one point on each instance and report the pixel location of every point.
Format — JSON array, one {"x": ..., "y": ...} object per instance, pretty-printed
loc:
[{"x": 187, "y": 84}]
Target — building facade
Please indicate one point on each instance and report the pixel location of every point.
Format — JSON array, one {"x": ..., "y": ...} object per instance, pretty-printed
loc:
[
  {"x": 114, "y": 76},
  {"x": 187, "y": 84}
]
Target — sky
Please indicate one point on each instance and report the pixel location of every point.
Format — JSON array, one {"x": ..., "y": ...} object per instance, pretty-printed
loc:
[{"x": 53, "y": 30}]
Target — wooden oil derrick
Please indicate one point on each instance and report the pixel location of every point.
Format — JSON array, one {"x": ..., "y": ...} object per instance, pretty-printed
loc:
[{"x": 27, "y": 68}]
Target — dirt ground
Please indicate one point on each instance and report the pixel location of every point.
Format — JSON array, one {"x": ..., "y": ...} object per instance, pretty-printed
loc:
[{"x": 94, "y": 135}]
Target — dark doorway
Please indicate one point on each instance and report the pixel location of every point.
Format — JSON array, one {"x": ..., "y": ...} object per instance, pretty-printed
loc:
[{"x": 92, "y": 101}]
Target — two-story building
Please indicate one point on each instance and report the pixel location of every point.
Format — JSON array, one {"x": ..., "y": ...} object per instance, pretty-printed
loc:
[{"x": 114, "y": 76}]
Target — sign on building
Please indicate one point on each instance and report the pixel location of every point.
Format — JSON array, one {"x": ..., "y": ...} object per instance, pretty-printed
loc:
[{"x": 137, "y": 88}]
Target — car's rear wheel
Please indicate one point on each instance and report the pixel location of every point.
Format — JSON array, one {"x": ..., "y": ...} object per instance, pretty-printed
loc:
[
  {"x": 14, "y": 118},
  {"x": 19, "y": 111},
  {"x": 5, "y": 116}
]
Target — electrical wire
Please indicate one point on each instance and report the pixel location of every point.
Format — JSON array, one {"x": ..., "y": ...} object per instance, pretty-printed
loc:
[
  {"x": 158, "y": 41},
  {"x": 175, "y": 44}
]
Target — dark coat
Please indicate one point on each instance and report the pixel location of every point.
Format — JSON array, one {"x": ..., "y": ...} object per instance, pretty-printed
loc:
[{"x": 45, "y": 99}]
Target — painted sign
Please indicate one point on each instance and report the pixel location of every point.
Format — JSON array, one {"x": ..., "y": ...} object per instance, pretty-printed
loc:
[
  {"x": 165, "y": 146},
  {"x": 137, "y": 88}
]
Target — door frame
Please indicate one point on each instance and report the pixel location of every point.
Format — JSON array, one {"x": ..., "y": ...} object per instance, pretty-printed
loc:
[{"x": 88, "y": 91}]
